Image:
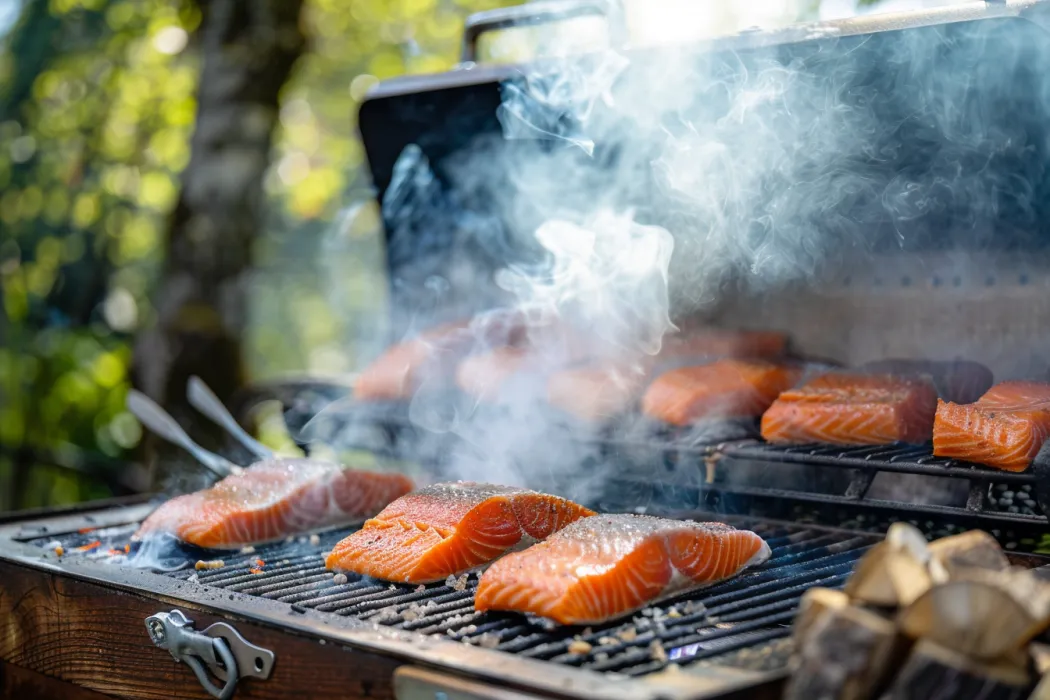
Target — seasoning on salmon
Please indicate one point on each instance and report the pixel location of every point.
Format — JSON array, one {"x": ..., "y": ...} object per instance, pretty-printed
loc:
[
  {"x": 961, "y": 381},
  {"x": 448, "y": 529},
  {"x": 1005, "y": 428},
  {"x": 608, "y": 566},
  {"x": 853, "y": 409},
  {"x": 595, "y": 392},
  {"x": 713, "y": 343},
  {"x": 274, "y": 499},
  {"x": 723, "y": 389}
]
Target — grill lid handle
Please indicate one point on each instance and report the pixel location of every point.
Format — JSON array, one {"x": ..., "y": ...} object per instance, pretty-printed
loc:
[
  {"x": 535, "y": 13},
  {"x": 218, "y": 651}
]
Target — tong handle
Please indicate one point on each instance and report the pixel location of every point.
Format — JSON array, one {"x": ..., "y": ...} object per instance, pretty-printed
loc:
[
  {"x": 204, "y": 400},
  {"x": 534, "y": 13},
  {"x": 162, "y": 424}
]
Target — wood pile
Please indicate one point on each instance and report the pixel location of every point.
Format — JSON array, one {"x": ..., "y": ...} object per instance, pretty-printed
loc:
[{"x": 945, "y": 619}]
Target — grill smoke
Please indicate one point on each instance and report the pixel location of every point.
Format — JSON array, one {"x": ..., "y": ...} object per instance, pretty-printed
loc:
[{"x": 624, "y": 190}]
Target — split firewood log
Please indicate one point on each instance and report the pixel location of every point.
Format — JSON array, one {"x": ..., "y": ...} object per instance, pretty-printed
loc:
[
  {"x": 814, "y": 603},
  {"x": 846, "y": 654},
  {"x": 987, "y": 615},
  {"x": 1040, "y": 654},
  {"x": 895, "y": 571},
  {"x": 974, "y": 549},
  {"x": 933, "y": 671}
]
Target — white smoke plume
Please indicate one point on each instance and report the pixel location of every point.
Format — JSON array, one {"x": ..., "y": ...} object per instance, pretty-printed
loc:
[{"x": 628, "y": 190}]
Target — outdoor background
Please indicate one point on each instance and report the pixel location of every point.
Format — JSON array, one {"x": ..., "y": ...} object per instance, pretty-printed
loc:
[{"x": 98, "y": 100}]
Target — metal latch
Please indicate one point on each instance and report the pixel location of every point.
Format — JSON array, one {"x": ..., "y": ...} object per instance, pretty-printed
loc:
[{"x": 219, "y": 649}]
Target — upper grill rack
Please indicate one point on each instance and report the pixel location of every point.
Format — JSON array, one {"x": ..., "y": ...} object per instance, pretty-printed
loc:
[
  {"x": 743, "y": 612},
  {"x": 985, "y": 498},
  {"x": 1015, "y": 498}
]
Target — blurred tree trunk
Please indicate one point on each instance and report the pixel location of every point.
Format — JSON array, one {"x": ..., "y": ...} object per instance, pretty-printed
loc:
[{"x": 248, "y": 48}]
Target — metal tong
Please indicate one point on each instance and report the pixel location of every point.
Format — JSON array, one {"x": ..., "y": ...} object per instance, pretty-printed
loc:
[{"x": 161, "y": 423}]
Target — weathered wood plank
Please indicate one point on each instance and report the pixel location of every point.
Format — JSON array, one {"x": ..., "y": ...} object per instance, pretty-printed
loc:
[
  {"x": 95, "y": 637},
  {"x": 17, "y": 683}
]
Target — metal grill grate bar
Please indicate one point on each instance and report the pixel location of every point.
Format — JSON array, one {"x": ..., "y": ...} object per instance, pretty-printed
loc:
[{"x": 911, "y": 459}]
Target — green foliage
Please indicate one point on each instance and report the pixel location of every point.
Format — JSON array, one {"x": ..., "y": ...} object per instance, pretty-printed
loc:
[{"x": 90, "y": 153}]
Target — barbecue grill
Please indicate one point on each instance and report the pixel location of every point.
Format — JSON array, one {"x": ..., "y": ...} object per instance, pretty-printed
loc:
[{"x": 273, "y": 622}]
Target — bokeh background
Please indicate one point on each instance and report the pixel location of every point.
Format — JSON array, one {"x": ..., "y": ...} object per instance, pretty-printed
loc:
[{"x": 98, "y": 100}]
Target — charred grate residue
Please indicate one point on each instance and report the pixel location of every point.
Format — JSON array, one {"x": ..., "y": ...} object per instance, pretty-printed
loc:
[{"x": 739, "y": 614}]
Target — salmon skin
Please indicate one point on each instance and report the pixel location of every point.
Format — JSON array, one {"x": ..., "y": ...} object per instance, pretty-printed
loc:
[
  {"x": 273, "y": 499},
  {"x": 724, "y": 389},
  {"x": 447, "y": 529},
  {"x": 596, "y": 392},
  {"x": 1004, "y": 429},
  {"x": 961, "y": 381},
  {"x": 604, "y": 567},
  {"x": 853, "y": 409}
]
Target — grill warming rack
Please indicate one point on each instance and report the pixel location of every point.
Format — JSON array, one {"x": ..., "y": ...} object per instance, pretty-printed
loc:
[{"x": 993, "y": 497}]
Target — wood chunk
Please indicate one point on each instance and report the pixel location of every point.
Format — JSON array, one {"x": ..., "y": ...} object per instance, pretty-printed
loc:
[
  {"x": 975, "y": 549},
  {"x": 1040, "y": 654},
  {"x": 846, "y": 656},
  {"x": 933, "y": 671},
  {"x": 814, "y": 603},
  {"x": 894, "y": 572},
  {"x": 986, "y": 615}
]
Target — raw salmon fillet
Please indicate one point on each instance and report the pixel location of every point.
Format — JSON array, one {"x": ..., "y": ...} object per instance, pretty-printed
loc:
[
  {"x": 723, "y": 389},
  {"x": 486, "y": 376},
  {"x": 447, "y": 529},
  {"x": 400, "y": 370},
  {"x": 1005, "y": 428},
  {"x": 961, "y": 381},
  {"x": 608, "y": 566},
  {"x": 594, "y": 393},
  {"x": 724, "y": 343},
  {"x": 273, "y": 499},
  {"x": 853, "y": 409}
]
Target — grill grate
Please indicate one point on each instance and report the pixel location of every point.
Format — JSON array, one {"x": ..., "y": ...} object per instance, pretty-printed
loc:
[
  {"x": 633, "y": 441},
  {"x": 746, "y": 611},
  {"x": 993, "y": 493}
]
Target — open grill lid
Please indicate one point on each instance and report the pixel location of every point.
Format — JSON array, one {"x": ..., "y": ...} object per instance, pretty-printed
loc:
[{"x": 447, "y": 228}]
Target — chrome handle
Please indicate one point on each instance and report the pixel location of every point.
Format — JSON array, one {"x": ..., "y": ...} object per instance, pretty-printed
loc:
[{"x": 533, "y": 14}]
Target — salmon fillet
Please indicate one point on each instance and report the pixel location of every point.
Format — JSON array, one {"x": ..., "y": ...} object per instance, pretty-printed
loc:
[
  {"x": 447, "y": 529},
  {"x": 724, "y": 343},
  {"x": 400, "y": 370},
  {"x": 273, "y": 499},
  {"x": 594, "y": 393},
  {"x": 1005, "y": 428},
  {"x": 486, "y": 376},
  {"x": 961, "y": 381},
  {"x": 608, "y": 566},
  {"x": 853, "y": 409},
  {"x": 723, "y": 389}
]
